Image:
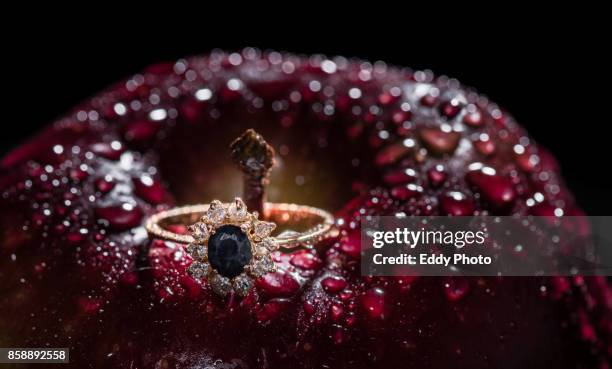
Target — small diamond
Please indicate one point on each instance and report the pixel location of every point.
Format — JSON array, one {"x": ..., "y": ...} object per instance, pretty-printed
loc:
[
  {"x": 198, "y": 252},
  {"x": 237, "y": 210},
  {"x": 242, "y": 285},
  {"x": 269, "y": 244},
  {"x": 245, "y": 227},
  {"x": 220, "y": 284},
  {"x": 198, "y": 270},
  {"x": 199, "y": 231},
  {"x": 263, "y": 229},
  {"x": 261, "y": 251},
  {"x": 216, "y": 212},
  {"x": 266, "y": 246},
  {"x": 262, "y": 266}
]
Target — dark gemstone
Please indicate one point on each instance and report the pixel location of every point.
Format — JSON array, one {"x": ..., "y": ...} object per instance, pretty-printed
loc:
[{"x": 229, "y": 250}]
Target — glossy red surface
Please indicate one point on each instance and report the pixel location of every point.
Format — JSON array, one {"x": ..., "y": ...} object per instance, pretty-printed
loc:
[{"x": 78, "y": 270}]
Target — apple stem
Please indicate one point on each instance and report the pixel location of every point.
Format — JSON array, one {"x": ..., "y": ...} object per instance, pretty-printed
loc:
[{"x": 255, "y": 158}]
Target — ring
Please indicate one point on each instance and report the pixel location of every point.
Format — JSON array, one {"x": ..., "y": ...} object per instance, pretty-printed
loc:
[{"x": 231, "y": 247}]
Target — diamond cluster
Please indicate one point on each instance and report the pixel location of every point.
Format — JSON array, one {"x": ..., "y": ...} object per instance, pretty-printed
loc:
[{"x": 258, "y": 261}]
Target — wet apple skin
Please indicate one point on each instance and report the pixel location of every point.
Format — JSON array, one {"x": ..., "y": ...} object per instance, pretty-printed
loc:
[{"x": 78, "y": 271}]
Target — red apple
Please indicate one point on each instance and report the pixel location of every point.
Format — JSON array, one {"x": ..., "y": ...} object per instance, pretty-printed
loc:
[{"x": 78, "y": 270}]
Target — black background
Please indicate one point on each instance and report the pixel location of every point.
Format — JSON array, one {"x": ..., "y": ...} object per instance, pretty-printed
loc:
[{"x": 548, "y": 80}]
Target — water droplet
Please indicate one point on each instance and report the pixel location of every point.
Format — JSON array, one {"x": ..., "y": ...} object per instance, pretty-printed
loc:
[
  {"x": 278, "y": 284},
  {"x": 400, "y": 176},
  {"x": 110, "y": 151},
  {"x": 440, "y": 142},
  {"x": 473, "y": 117},
  {"x": 305, "y": 259},
  {"x": 428, "y": 100},
  {"x": 271, "y": 310},
  {"x": 391, "y": 154},
  {"x": 450, "y": 109},
  {"x": 436, "y": 175},
  {"x": 120, "y": 217},
  {"x": 485, "y": 145},
  {"x": 336, "y": 312},
  {"x": 105, "y": 185},
  {"x": 406, "y": 192},
  {"x": 496, "y": 190},
  {"x": 456, "y": 204},
  {"x": 149, "y": 189},
  {"x": 333, "y": 284},
  {"x": 373, "y": 303},
  {"x": 456, "y": 288}
]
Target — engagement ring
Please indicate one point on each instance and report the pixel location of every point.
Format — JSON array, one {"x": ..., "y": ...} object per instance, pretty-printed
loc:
[{"x": 231, "y": 247}]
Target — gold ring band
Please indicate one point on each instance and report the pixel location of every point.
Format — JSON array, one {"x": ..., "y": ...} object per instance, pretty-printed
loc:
[{"x": 280, "y": 211}]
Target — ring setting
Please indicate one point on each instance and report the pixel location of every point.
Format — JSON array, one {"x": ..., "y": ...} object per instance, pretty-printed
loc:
[{"x": 231, "y": 247}]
